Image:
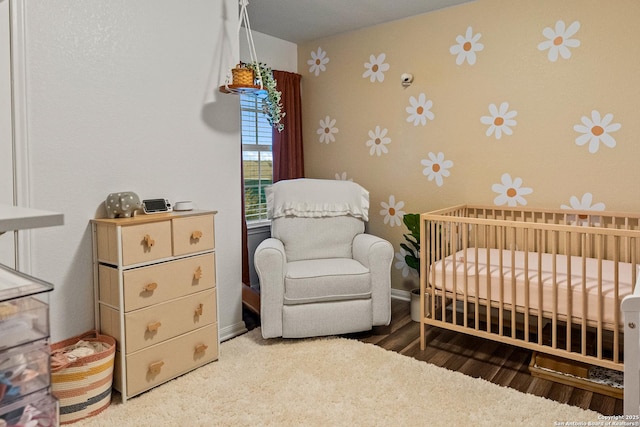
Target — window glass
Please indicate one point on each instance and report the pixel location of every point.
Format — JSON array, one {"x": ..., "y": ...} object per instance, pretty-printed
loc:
[{"x": 256, "y": 157}]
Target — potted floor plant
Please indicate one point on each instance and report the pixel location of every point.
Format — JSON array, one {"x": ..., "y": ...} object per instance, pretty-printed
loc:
[{"x": 412, "y": 258}]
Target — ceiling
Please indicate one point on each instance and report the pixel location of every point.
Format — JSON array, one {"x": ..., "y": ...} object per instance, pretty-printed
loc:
[{"x": 299, "y": 21}]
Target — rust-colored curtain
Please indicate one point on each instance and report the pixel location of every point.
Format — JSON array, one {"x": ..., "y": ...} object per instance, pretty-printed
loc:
[
  {"x": 288, "y": 161},
  {"x": 246, "y": 277}
]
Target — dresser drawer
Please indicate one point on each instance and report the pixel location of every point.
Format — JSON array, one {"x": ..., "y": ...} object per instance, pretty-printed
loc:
[
  {"x": 159, "y": 363},
  {"x": 192, "y": 234},
  {"x": 146, "y": 242},
  {"x": 157, "y": 283},
  {"x": 161, "y": 322}
]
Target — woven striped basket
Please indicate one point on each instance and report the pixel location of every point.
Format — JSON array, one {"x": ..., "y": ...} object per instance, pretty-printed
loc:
[
  {"x": 83, "y": 387},
  {"x": 242, "y": 76}
]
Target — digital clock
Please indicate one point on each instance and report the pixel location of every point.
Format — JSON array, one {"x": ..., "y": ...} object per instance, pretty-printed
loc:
[{"x": 151, "y": 206}]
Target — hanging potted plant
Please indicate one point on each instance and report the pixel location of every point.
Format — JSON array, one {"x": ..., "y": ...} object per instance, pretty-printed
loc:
[
  {"x": 271, "y": 102},
  {"x": 255, "y": 78}
]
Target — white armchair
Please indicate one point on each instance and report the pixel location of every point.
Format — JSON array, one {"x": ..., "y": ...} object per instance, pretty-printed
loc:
[{"x": 320, "y": 274}]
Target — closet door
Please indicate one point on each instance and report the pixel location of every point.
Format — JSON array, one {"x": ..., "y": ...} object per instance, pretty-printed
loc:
[{"x": 7, "y": 249}]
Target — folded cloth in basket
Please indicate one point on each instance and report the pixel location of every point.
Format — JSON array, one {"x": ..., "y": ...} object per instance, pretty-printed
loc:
[{"x": 71, "y": 353}]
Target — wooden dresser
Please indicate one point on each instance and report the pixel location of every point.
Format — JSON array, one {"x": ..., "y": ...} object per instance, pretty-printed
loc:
[{"x": 155, "y": 291}]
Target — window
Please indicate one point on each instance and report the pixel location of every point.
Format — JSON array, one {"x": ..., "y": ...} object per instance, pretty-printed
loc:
[{"x": 257, "y": 161}]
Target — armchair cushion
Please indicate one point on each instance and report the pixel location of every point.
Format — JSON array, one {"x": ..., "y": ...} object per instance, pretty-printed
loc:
[
  {"x": 313, "y": 238},
  {"x": 321, "y": 280}
]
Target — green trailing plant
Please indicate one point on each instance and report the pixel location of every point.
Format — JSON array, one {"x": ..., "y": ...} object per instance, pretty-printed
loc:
[
  {"x": 412, "y": 258},
  {"x": 271, "y": 104}
]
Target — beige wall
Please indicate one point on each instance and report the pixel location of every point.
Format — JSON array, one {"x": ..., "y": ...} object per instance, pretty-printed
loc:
[{"x": 550, "y": 101}]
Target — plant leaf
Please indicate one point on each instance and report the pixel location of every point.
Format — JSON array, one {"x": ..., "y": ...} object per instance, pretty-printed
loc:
[
  {"x": 415, "y": 244},
  {"x": 407, "y": 248},
  {"x": 412, "y": 262}
]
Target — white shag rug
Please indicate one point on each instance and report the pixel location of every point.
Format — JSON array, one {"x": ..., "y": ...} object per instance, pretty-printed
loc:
[{"x": 329, "y": 382}]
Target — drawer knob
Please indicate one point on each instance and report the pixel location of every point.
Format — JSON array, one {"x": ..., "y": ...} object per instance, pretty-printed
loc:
[
  {"x": 153, "y": 327},
  {"x": 150, "y": 287},
  {"x": 196, "y": 235},
  {"x": 155, "y": 367},
  {"x": 201, "y": 348},
  {"x": 149, "y": 241},
  {"x": 199, "y": 310},
  {"x": 198, "y": 273}
]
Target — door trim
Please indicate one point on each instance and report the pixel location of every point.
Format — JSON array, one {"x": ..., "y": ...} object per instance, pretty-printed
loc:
[{"x": 20, "y": 140}]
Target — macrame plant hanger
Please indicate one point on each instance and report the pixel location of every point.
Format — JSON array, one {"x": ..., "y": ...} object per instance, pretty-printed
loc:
[{"x": 241, "y": 80}]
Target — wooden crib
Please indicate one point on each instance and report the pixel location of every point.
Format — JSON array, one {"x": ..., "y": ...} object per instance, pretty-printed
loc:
[{"x": 548, "y": 280}]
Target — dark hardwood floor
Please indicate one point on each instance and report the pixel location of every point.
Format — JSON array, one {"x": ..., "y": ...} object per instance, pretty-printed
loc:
[{"x": 501, "y": 364}]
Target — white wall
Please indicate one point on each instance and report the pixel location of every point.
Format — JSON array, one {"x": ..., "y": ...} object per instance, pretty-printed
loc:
[
  {"x": 120, "y": 97},
  {"x": 277, "y": 53}
]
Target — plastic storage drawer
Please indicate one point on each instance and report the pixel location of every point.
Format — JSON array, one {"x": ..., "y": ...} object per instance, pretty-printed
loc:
[
  {"x": 24, "y": 317},
  {"x": 24, "y": 370},
  {"x": 35, "y": 410}
]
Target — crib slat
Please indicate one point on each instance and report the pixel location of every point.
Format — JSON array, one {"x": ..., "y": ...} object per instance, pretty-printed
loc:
[
  {"x": 424, "y": 271},
  {"x": 527, "y": 286},
  {"x": 501, "y": 294},
  {"x": 567, "y": 246},
  {"x": 554, "y": 297},
  {"x": 599, "y": 249},
  {"x": 512, "y": 245},
  {"x": 583, "y": 325},
  {"x": 616, "y": 298},
  {"x": 477, "y": 277},
  {"x": 488, "y": 284},
  {"x": 465, "y": 239},
  {"x": 441, "y": 239},
  {"x": 454, "y": 264},
  {"x": 540, "y": 305}
]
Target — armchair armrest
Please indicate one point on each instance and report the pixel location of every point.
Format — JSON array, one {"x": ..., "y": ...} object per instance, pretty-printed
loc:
[
  {"x": 270, "y": 262},
  {"x": 376, "y": 254}
]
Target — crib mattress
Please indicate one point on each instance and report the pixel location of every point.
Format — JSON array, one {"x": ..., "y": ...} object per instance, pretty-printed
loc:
[{"x": 490, "y": 275}]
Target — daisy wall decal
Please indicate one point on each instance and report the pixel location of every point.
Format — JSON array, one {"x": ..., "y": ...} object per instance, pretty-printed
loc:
[
  {"x": 596, "y": 130},
  {"x": 401, "y": 264},
  {"x": 318, "y": 61},
  {"x": 375, "y": 68},
  {"x": 510, "y": 191},
  {"x": 559, "y": 40},
  {"x": 583, "y": 204},
  {"x": 392, "y": 211},
  {"x": 342, "y": 176},
  {"x": 327, "y": 129},
  {"x": 466, "y": 47},
  {"x": 500, "y": 121},
  {"x": 378, "y": 141},
  {"x": 419, "y": 110},
  {"x": 436, "y": 168}
]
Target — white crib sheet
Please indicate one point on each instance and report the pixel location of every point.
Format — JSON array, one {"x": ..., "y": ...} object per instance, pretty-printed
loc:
[{"x": 491, "y": 279}]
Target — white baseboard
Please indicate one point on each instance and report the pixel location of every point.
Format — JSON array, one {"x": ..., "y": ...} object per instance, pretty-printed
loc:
[
  {"x": 232, "y": 331},
  {"x": 400, "y": 294}
]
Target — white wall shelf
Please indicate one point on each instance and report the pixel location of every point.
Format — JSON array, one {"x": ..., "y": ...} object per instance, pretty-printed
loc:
[{"x": 18, "y": 218}]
